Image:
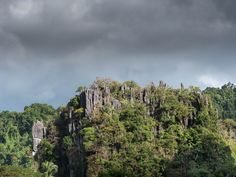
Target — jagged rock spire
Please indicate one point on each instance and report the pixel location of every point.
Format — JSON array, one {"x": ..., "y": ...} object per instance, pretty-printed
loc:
[{"x": 38, "y": 133}]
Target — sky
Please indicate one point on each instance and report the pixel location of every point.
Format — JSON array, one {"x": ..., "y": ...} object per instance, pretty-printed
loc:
[{"x": 50, "y": 47}]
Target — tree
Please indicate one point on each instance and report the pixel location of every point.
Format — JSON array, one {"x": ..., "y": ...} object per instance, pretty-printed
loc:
[
  {"x": 49, "y": 169},
  {"x": 224, "y": 99}
]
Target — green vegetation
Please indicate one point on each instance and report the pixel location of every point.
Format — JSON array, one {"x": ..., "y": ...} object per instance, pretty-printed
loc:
[
  {"x": 49, "y": 169},
  {"x": 176, "y": 134},
  {"x": 16, "y": 171},
  {"x": 224, "y": 99},
  {"x": 155, "y": 131},
  {"x": 16, "y": 136}
]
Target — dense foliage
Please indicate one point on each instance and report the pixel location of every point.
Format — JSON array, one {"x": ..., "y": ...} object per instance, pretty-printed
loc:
[
  {"x": 182, "y": 138},
  {"x": 16, "y": 136},
  {"x": 16, "y": 171},
  {"x": 224, "y": 100},
  {"x": 165, "y": 132}
]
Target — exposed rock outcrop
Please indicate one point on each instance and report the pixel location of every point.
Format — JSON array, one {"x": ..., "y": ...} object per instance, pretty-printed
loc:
[
  {"x": 101, "y": 94},
  {"x": 38, "y": 133},
  {"x": 96, "y": 98}
]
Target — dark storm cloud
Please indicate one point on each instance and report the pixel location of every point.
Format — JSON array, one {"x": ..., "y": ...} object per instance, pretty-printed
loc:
[
  {"x": 48, "y": 47},
  {"x": 227, "y": 7},
  {"x": 124, "y": 26}
]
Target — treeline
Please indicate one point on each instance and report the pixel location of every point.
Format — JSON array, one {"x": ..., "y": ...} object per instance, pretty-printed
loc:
[
  {"x": 181, "y": 132},
  {"x": 224, "y": 99}
]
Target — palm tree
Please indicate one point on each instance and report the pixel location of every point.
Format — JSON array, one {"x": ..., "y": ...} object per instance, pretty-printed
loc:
[{"x": 49, "y": 169}]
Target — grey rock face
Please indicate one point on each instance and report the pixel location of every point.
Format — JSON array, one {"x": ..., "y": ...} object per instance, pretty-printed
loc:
[
  {"x": 95, "y": 98},
  {"x": 145, "y": 97},
  {"x": 162, "y": 84},
  {"x": 71, "y": 124},
  {"x": 116, "y": 104},
  {"x": 98, "y": 96},
  {"x": 38, "y": 133}
]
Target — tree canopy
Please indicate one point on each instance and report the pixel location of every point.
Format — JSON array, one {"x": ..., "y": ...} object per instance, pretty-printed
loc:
[{"x": 129, "y": 131}]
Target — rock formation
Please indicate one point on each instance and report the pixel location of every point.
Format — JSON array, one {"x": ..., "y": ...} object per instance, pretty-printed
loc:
[
  {"x": 93, "y": 99},
  {"x": 38, "y": 133}
]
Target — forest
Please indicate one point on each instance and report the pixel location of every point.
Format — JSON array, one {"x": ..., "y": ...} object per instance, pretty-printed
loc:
[{"x": 114, "y": 129}]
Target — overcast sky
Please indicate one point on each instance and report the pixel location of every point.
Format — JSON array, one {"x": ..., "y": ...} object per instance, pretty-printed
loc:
[{"x": 50, "y": 47}]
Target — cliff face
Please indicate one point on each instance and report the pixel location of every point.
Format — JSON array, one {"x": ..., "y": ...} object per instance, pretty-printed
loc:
[
  {"x": 98, "y": 96},
  {"x": 163, "y": 104},
  {"x": 95, "y": 98}
]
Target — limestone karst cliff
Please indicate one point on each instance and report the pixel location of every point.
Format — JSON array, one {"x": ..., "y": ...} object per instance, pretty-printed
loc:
[{"x": 92, "y": 141}]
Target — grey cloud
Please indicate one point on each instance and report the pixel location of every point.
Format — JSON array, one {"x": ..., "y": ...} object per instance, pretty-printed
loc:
[
  {"x": 147, "y": 26},
  {"x": 49, "y": 47},
  {"x": 227, "y": 8}
]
